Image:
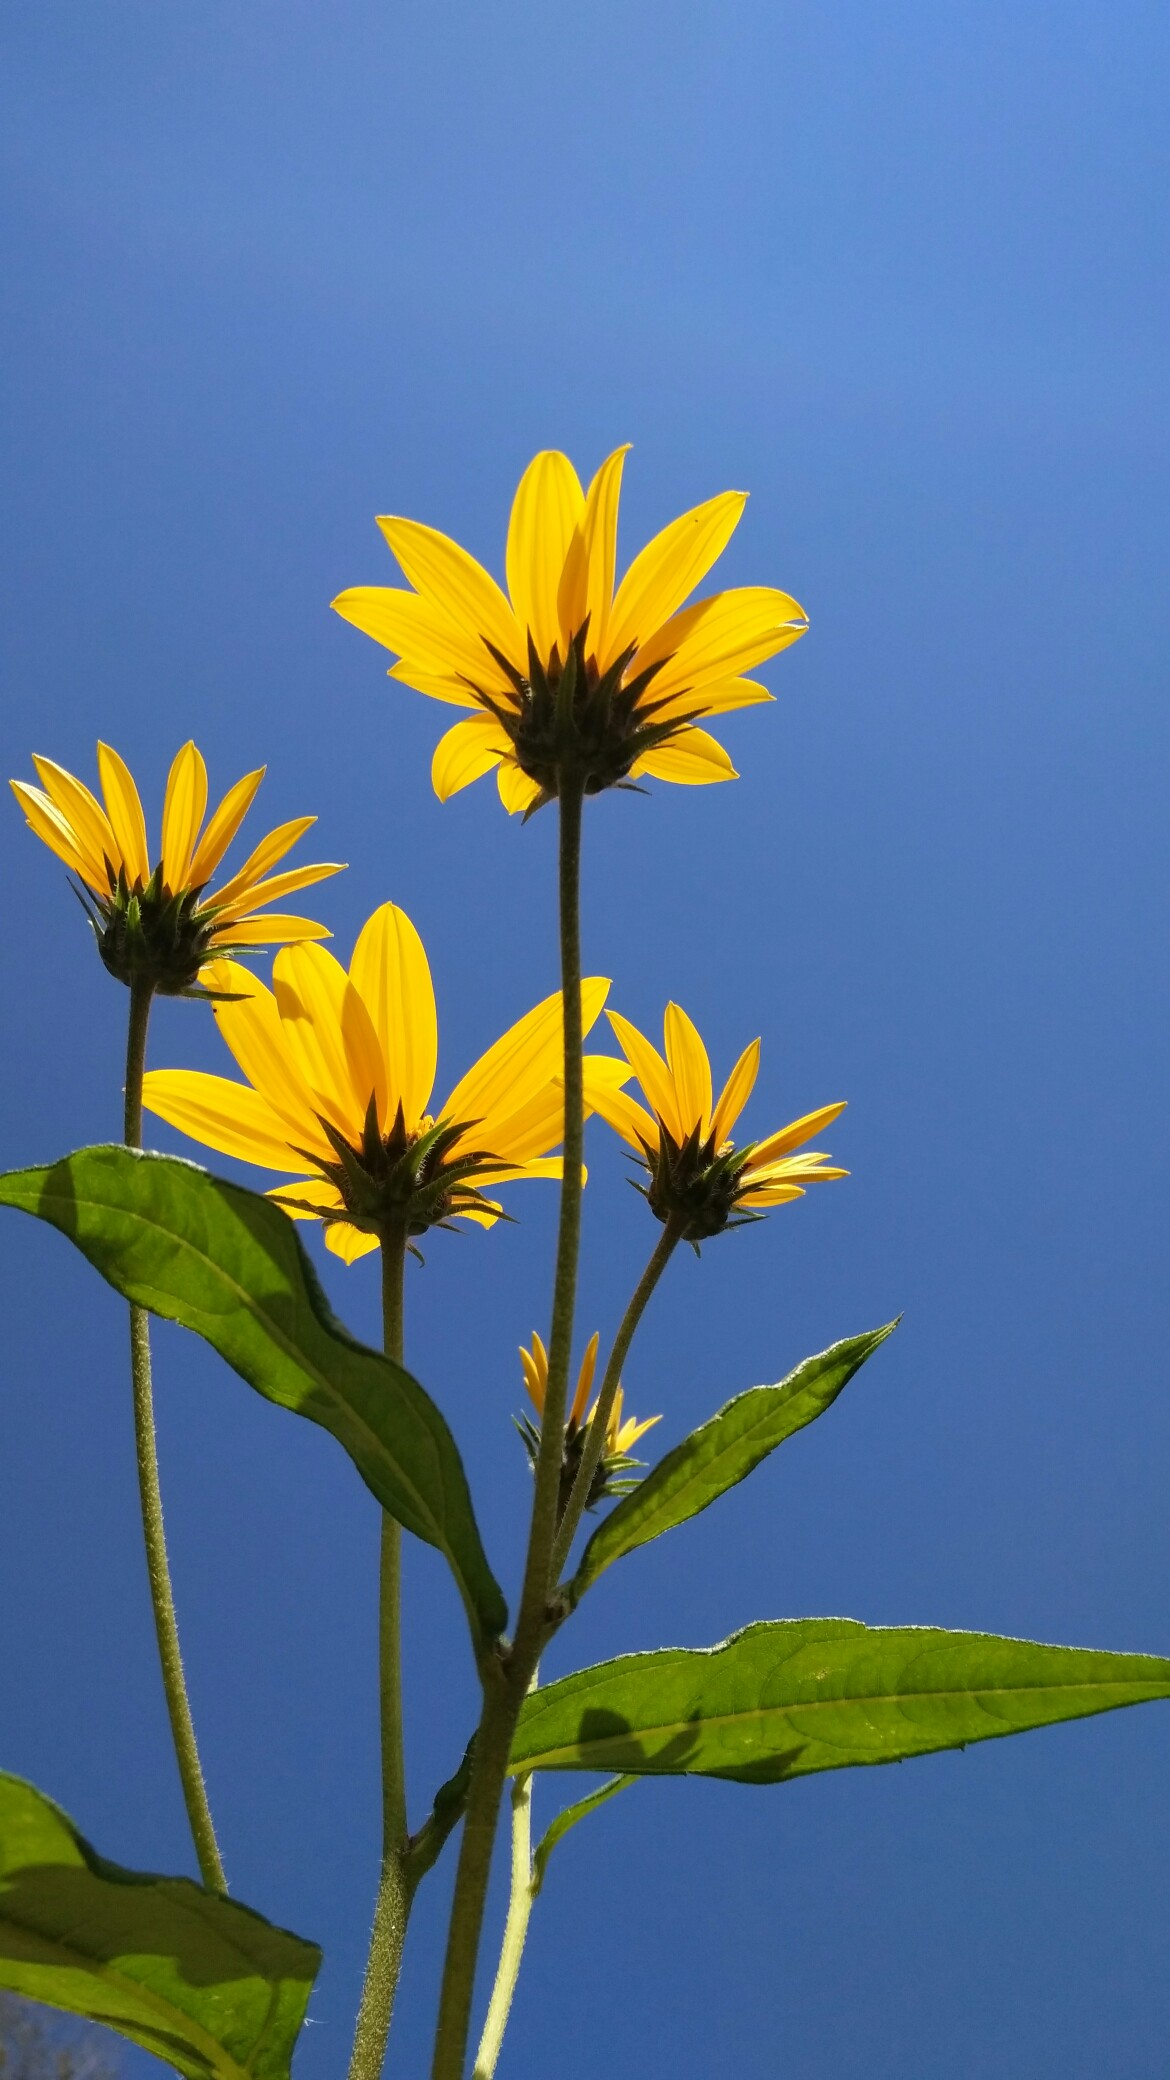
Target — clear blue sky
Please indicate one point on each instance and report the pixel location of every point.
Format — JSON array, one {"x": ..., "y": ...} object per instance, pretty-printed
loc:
[{"x": 901, "y": 272}]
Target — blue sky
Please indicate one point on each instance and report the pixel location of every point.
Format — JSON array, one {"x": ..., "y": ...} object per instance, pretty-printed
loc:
[{"x": 900, "y": 273}]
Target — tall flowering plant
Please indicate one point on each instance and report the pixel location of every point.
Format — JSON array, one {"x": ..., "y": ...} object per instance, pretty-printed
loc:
[{"x": 571, "y": 683}]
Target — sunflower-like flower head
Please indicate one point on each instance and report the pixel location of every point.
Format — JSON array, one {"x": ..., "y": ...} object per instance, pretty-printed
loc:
[
  {"x": 341, "y": 1068},
  {"x": 158, "y": 924},
  {"x": 569, "y": 680},
  {"x": 615, "y": 1465},
  {"x": 699, "y": 1179}
]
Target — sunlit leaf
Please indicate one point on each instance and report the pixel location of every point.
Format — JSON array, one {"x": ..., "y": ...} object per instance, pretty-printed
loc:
[
  {"x": 722, "y": 1452},
  {"x": 229, "y": 1264},
  {"x": 784, "y": 1699},
  {"x": 208, "y": 1986}
]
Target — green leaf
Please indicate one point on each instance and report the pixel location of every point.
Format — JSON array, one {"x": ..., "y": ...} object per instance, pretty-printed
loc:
[
  {"x": 722, "y": 1452},
  {"x": 229, "y": 1264},
  {"x": 205, "y": 1984},
  {"x": 559, "y": 1828},
  {"x": 781, "y": 1700}
]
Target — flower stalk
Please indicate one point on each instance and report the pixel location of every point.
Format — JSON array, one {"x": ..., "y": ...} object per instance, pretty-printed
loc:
[
  {"x": 150, "y": 1495},
  {"x": 520, "y": 1902}
]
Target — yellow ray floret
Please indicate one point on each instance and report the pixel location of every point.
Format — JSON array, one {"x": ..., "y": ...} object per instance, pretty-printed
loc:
[
  {"x": 153, "y": 911},
  {"x": 645, "y": 666},
  {"x": 340, "y": 1070},
  {"x": 620, "y": 1435},
  {"x": 698, "y": 1177}
]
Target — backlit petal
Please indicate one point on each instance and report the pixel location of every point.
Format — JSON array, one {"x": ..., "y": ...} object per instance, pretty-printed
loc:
[
  {"x": 518, "y": 792},
  {"x": 690, "y": 1069},
  {"x": 307, "y": 1197},
  {"x": 90, "y": 824},
  {"x": 624, "y": 1115},
  {"x": 390, "y": 971},
  {"x": 222, "y": 1115},
  {"x": 717, "y": 699},
  {"x": 421, "y": 635},
  {"x": 653, "y": 1075},
  {"x": 439, "y": 685},
  {"x": 267, "y": 853},
  {"x": 791, "y": 1136},
  {"x": 349, "y": 1243},
  {"x": 692, "y": 759},
  {"x": 184, "y": 806},
  {"x": 735, "y": 1094},
  {"x": 522, "y": 1060},
  {"x": 775, "y": 1195},
  {"x": 280, "y": 885},
  {"x": 223, "y": 827},
  {"x": 586, "y": 588},
  {"x": 456, "y": 585},
  {"x": 466, "y": 752},
  {"x": 124, "y": 810},
  {"x": 668, "y": 569},
  {"x": 248, "y": 1017},
  {"x": 310, "y": 986},
  {"x": 273, "y": 929},
  {"x": 720, "y": 638},
  {"x": 546, "y": 509},
  {"x": 585, "y": 1379},
  {"x": 54, "y": 831}
]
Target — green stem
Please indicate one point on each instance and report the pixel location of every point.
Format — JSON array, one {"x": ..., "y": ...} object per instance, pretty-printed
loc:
[
  {"x": 150, "y": 1494},
  {"x": 595, "y": 1438},
  {"x": 515, "y": 1931},
  {"x": 395, "y": 1889},
  {"x": 506, "y": 1678}
]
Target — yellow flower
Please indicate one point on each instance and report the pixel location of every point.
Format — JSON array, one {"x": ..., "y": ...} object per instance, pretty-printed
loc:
[
  {"x": 156, "y": 922},
  {"x": 340, "y": 1072},
  {"x": 567, "y": 677},
  {"x": 698, "y": 1178},
  {"x": 620, "y": 1437}
]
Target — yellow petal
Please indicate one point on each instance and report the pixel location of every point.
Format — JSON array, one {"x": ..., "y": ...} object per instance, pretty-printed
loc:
[
  {"x": 546, "y": 509},
  {"x": 720, "y": 698},
  {"x": 54, "y": 831},
  {"x": 689, "y": 1068},
  {"x": 439, "y": 685},
  {"x": 456, "y": 585},
  {"x": 267, "y": 853},
  {"x": 719, "y": 638},
  {"x": 538, "y": 1166},
  {"x": 653, "y": 1075},
  {"x": 307, "y": 1197},
  {"x": 519, "y": 1134},
  {"x": 518, "y": 792},
  {"x": 484, "y": 1216},
  {"x": 184, "y": 805},
  {"x": 248, "y": 1016},
  {"x": 736, "y": 1092},
  {"x": 668, "y": 569},
  {"x": 280, "y": 885},
  {"x": 624, "y": 1115},
  {"x": 692, "y": 759},
  {"x": 466, "y": 752},
  {"x": 798, "y": 1130},
  {"x": 271, "y": 930},
  {"x": 390, "y": 971},
  {"x": 585, "y": 1379},
  {"x": 349, "y": 1243},
  {"x": 127, "y": 821},
  {"x": 311, "y": 989},
  {"x": 586, "y": 588},
  {"x": 630, "y": 1432},
  {"x": 523, "y": 1059},
  {"x": 223, "y": 827},
  {"x": 421, "y": 635},
  {"x": 90, "y": 824},
  {"x": 223, "y": 1115},
  {"x": 775, "y": 1195}
]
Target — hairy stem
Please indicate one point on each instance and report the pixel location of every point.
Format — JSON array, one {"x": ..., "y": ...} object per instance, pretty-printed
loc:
[
  {"x": 506, "y": 1679},
  {"x": 395, "y": 1890},
  {"x": 515, "y": 1932},
  {"x": 150, "y": 1496},
  {"x": 595, "y": 1438}
]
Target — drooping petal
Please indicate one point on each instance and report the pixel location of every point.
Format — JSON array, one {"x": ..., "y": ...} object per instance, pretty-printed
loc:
[
  {"x": 692, "y": 759},
  {"x": 623, "y": 1114},
  {"x": 771, "y": 1195},
  {"x": 718, "y": 699},
  {"x": 735, "y": 1094},
  {"x": 586, "y": 589},
  {"x": 223, "y": 827},
  {"x": 267, "y": 853},
  {"x": 690, "y": 1069},
  {"x": 54, "y": 830},
  {"x": 90, "y": 824},
  {"x": 223, "y": 1115},
  {"x": 466, "y": 752},
  {"x": 668, "y": 569},
  {"x": 791, "y": 1136},
  {"x": 390, "y": 971},
  {"x": 545, "y": 511},
  {"x": 421, "y": 635},
  {"x": 184, "y": 806},
  {"x": 526, "y": 1057},
  {"x": 720, "y": 638},
  {"x": 124, "y": 810},
  {"x": 273, "y": 929},
  {"x": 456, "y": 585},
  {"x": 653, "y": 1075},
  {"x": 348, "y": 1243},
  {"x": 518, "y": 791}
]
